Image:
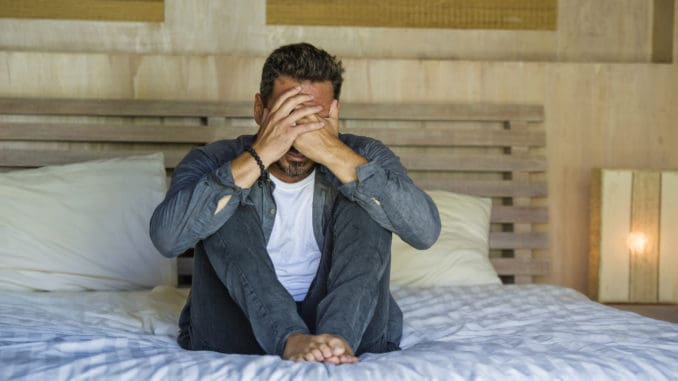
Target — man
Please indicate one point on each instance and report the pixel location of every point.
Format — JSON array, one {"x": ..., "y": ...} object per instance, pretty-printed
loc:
[{"x": 292, "y": 227}]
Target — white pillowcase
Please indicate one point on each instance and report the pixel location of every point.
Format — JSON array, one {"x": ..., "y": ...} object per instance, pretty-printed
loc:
[
  {"x": 459, "y": 257},
  {"x": 83, "y": 226}
]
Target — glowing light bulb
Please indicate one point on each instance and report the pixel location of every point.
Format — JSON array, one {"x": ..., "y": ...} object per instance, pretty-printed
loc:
[{"x": 637, "y": 242}]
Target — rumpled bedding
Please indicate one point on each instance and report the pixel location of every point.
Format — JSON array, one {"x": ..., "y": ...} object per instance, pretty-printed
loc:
[{"x": 491, "y": 332}]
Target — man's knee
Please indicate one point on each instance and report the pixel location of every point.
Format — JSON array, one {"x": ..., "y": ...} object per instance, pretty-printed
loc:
[
  {"x": 355, "y": 227},
  {"x": 242, "y": 228}
]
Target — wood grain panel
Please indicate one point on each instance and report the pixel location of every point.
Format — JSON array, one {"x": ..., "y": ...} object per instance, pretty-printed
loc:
[
  {"x": 668, "y": 247},
  {"x": 533, "y": 240},
  {"x": 441, "y": 137},
  {"x": 357, "y": 111},
  {"x": 429, "y": 160},
  {"x": 595, "y": 234},
  {"x": 645, "y": 201},
  {"x": 615, "y": 224},
  {"x": 108, "y": 132},
  {"x": 457, "y": 14},
  {"x": 518, "y": 214},
  {"x": 100, "y": 10},
  {"x": 485, "y": 188}
]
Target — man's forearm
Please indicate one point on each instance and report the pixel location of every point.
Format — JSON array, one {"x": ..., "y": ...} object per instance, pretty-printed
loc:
[{"x": 342, "y": 161}]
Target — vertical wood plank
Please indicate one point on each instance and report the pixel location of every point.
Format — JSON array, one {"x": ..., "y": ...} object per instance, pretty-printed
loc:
[
  {"x": 521, "y": 151},
  {"x": 643, "y": 271},
  {"x": 668, "y": 239},
  {"x": 615, "y": 222},
  {"x": 594, "y": 234}
]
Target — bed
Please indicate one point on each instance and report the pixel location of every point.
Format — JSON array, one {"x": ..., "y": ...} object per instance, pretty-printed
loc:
[{"x": 84, "y": 298}]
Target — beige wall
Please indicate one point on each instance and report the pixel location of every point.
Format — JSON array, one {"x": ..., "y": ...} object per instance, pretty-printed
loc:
[
  {"x": 588, "y": 31},
  {"x": 597, "y": 114}
]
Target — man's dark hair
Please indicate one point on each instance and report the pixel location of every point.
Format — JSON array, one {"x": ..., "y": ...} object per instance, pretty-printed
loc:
[{"x": 302, "y": 62}]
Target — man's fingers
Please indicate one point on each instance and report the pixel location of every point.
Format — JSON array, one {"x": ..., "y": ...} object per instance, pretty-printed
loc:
[
  {"x": 305, "y": 112},
  {"x": 284, "y": 96},
  {"x": 334, "y": 109},
  {"x": 302, "y": 128},
  {"x": 264, "y": 115},
  {"x": 289, "y": 105}
]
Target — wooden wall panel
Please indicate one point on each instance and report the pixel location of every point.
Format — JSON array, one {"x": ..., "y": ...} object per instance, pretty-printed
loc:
[
  {"x": 668, "y": 248},
  {"x": 454, "y": 14},
  {"x": 615, "y": 222},
  {"x": 645, "y": 202},
  {"x": 101, "y": 10},
  {"x": 640, "y": 206}
]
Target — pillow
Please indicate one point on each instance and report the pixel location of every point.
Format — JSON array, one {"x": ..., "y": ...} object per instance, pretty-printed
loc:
[
  {"x": 82, "y": 226},
  {"x": 459, "y": 257}
]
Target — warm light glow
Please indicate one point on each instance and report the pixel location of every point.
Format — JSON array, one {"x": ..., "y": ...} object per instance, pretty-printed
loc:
[{"x": 637, "y": 242}]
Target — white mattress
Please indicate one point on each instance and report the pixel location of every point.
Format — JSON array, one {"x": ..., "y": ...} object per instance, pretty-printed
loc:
[{"x": 462, "y": 333}]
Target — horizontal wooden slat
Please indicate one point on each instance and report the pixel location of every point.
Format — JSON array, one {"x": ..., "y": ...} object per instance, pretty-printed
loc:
[
  {"x": 108, "y": 132},
  {"x": 38, "y": 158},
  {"x": 123, "y": 107},
  {"x": 195, "y": 134},
  {"x": 518, "y": 240},
  {"x": 520, "y": 266},
  {"x": 449, "y": 112},
  {"x": 438, "y": 137},
  {"x": 451, "y": 161},
  {"x": 515, "y": 214},
  {"x": 361, "y": 111},
  {"x": 485, "y": 188}
]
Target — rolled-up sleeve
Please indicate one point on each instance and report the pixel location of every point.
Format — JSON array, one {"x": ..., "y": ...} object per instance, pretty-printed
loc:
[
  {"x": 387, "y": 193},
  {"x": 187, "y": 214}
]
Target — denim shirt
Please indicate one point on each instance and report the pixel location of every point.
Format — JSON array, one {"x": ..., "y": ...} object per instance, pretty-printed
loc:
[{"x": 203, "y": 177}]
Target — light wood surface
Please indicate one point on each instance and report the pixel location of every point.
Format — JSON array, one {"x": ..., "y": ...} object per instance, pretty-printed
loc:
[
  {"x": 644, "y": 265},
  {"x": 668, "y": 250},
  {"x": 638, "y": 202},
  {"x": 35, "y": 133},
  {"x": 587, "y": 31},
  {"x": 466, "y": 14},
  {"x": 107, "y": 10}
]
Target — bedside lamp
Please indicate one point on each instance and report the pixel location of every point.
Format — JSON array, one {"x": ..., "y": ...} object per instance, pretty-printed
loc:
[
  {"x": 634, "y": 237},
  {"x": 637, "y": 242}
]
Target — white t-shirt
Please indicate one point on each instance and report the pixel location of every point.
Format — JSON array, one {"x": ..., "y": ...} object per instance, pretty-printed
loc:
[{"x": 292, "y": 245}]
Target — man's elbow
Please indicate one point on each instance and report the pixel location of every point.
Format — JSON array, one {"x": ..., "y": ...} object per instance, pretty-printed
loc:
[
  {"x": 426, "y": 238},
  {"x": 166, "y": 245},
  {"x": 165, "y": 240}
]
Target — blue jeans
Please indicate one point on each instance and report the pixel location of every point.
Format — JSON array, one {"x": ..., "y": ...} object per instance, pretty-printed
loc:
[{"x": 237, "y": 304}]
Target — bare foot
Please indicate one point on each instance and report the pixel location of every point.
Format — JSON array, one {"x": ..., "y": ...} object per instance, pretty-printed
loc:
[{"x": 321, "y": 348}]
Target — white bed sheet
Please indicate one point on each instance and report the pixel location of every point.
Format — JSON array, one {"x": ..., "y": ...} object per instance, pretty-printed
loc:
[{"x": 489, "y": 332}]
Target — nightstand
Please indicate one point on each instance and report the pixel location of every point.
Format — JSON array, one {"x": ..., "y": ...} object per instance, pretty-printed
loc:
[{"x": 633, "y": 259}]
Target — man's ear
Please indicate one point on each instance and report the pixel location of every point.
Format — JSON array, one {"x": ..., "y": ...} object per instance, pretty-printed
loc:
[{"x": 258, "y": 109}]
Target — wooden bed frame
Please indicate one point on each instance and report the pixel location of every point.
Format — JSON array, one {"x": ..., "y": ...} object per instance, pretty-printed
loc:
[{"x": 491, "y": 150}]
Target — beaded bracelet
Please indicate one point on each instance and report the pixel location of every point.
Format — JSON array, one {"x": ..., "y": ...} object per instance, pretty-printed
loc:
[{"x": 263, "y": 173}]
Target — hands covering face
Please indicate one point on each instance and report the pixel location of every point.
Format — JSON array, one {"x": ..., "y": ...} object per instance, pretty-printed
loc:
[{"x": 294, "y": 121}]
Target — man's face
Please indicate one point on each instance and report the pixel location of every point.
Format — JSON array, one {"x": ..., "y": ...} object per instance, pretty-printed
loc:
[{"x": 293, "y": 166}]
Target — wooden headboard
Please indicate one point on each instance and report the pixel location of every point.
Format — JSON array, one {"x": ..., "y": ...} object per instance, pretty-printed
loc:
[{"x": 491, "y": 150}]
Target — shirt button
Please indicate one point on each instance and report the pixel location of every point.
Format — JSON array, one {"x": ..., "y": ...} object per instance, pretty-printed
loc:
[{"x": 272, "y": 211}]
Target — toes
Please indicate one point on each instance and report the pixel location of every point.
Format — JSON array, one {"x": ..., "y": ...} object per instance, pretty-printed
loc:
[
  {"x": 325, "y": 350},
  {"x": 309, "y": 357},
  {"x": 333, "y": 360},
  {"x": 317, "y": 355}
]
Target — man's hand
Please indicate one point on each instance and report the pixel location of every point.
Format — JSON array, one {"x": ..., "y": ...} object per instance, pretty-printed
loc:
[
  {"x": 320, "y": 145},
  {"x": 281, "y": 126},
  {"x": 323, "y": 146}
]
